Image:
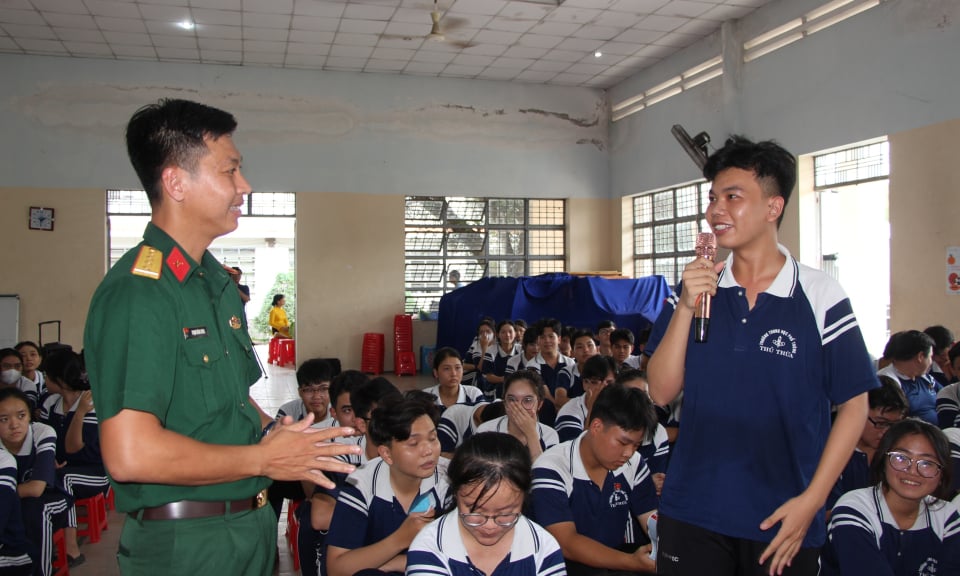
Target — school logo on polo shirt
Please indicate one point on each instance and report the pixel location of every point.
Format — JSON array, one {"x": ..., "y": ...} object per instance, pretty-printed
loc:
[
  {"x": 619, "y": 497},
  {"x": 778, "y": 342},
  {"x": 928, "y": 568}
]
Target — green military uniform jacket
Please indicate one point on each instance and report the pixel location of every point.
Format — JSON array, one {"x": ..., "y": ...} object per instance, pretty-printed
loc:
[{"x": 168, "y": 336}]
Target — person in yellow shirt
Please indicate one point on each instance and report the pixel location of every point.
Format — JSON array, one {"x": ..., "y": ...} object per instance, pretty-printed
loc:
[{"x": 278, "y": 317}]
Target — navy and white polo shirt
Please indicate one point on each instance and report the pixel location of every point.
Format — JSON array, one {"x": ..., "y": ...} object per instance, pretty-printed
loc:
[
  {"x": 37, "y": 458},
  {"x": 53, "y": 414},
  {"x": 297, "y": 410},
  {"x": 560, "y": 376},
  {"x": 439, "y": 550},
  {"x": 367, "y": 510},
  {"x": 468, "y": 395},
  {"x": 548, "y": 436},
  {"x": 570, "y": 419},
  {"x": 855, "y": 475},
  {"x": 563, "y": 492},
  {"x": 519, "y": 362},
  {"x": 921, "y": 392},
  {"x": 865, "y": 538},
  {"x": 757, "y": 399},
  {"x": 13, "y": 539},
  {"x": 473, "y": 356},
  {"x": 456, "y": 426},
  {"x": 948, "y": 406},
  {"x": 953, "y": 435}
]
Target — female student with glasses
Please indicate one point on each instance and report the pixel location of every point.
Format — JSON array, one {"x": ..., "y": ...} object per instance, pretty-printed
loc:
[
  {"x": 523, "y": 397},
  {"x": 902, "y": 525},
  {"x": 485, "y": 532}
]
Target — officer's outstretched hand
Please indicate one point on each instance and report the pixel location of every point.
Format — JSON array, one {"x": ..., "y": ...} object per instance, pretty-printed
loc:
[{"x": 295, "y": 451}]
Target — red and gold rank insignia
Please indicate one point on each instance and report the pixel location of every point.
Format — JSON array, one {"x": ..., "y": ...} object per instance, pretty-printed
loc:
[
  {"x": 148, "y": 263},
  {"x": 178, "y": 264}
]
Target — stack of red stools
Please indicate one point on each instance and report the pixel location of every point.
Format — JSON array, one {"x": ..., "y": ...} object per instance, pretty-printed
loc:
[
  {"x": 404, "y": 360},
  {"x": 371, "y": 360}
]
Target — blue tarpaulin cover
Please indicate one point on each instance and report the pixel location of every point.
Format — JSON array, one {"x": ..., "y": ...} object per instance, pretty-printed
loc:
[{"x": 579, "y": 301}]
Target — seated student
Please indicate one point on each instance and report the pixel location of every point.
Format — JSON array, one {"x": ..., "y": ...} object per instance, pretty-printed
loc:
[
  {"x": 604, "y": 329},
  {"x": 14, "y": 560},
  {"x": 507, "y": 347},
  {"x": 566, "y": 341},
  {"x": 315, "y": 512},
  {"x": 448, "y": 370},
  {"x": 911, "y": 355},
  {"x": 313, "y": 386},
  {"x": 69, "y": 411},
  {"x": 941, "y": 370},
  {"x": 32, "y": 359},
  {"x": 656, "y": 444},
  {"x": 34, "y": 447},
  {"x": 621, "y": 342},
  {"x": 903, "y": 525},
  {"x": 598, "y": 373},
  {"x": 953, "y": 436},
  {"x": 484, "y": 531},
  {"x": 887, "y": 407},
  {"x": 527, "y": 356},
  {"x": 554, "y": 368},
  {"x": 522, "y": 397},
  {"x": 11, "y": 368},
  {"x": 376, "y": 518},
  {"x": 521, "y": 328},
  {"x": 586, "y": 490},
  {"x": 479, "y": 357},
  {"x": 460, "y": 421},
  {"x": 584, "y": 347},
  {"x": 948, "y": 399}
]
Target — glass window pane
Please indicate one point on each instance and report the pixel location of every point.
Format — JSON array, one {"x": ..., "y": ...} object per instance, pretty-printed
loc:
[
  {"x": 465, "y": 243},
  {"x": 127, "y": 202},
  {"x": 642, "y": 268},
  {"x": 424, "y": 273},
  {"x": 424, "y": 242},
  {"x": 417, "y": 302},
  {"x": 273, "y": 204},
  {"x": 663, "y": 239},
  {"x": 688, "y": 200},
  {"x": 546, "y": 212},
  {"x": 686, "y": 236},
  {"x": 663, "y": 205},
  {"x": 466, "y": 211},
  {"x": 423, "y": 212},
  {"x": 546, "y": 243},
  {"x": 538, "y": 267},
  {"x": 643, "y": 240},
  {"x": 666, "y": 267},
  {"x": 512, "y": 268},
  {"x": 508, "y": 212},
  {"x": 470, "y": 269},
  {"x": 643, "y": 209},
  {"x": 506, "y": 242},
  {"x": 705, "y": 196}
]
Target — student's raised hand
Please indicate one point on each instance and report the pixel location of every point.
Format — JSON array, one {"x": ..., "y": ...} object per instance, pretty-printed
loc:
[
  {"x": 86, "y": 402},
  {"x": 699, "y": 276},
  {"x": 523, "y": 421},
  {"x": 794, "y": 516},
  {"x": 658, "y": 479}
]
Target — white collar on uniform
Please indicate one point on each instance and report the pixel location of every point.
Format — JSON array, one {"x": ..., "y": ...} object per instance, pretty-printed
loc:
[
  {"x": 451, "y": 543},
  {"x": 782, "y": 285},
  {"x": 27, "y": 447}
]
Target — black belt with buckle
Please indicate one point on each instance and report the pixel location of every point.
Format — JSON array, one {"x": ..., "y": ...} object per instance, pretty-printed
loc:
[{"x": 187, "y": 509}]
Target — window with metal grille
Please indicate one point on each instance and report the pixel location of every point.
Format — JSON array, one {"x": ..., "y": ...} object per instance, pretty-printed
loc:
[
  {"x": 665, "y": 228},
  {"x": 852, "y": 165},
  {"x": 135, "y": 203},
  {"x": 477, "y": 237}
]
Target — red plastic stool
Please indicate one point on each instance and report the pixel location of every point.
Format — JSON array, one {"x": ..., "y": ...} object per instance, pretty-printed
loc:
[
  {"x": 60, "y": 566},
  {"x": 371, "y": 359},
  {"x": 111, "y": 503},
  {"x": 293, "y": 532},
  {"x": 273, "y": 350},
  {"x": 94, "y": 517},
  {"x": 288, "y": 352},
  {"x": 405, "y": 364}
]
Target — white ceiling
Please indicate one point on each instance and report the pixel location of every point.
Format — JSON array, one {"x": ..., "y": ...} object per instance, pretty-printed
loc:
[{"x": 533, "y": 41}]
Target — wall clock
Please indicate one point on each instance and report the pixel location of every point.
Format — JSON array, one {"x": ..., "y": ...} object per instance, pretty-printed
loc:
[{"x": 41, "y": 218}]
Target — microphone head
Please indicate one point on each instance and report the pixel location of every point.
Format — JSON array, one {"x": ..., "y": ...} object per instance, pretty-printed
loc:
[{"x": 706, "y": 245}]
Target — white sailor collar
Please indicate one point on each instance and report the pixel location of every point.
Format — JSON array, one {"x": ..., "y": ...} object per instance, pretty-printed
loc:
[{"x": 782, "y": 286}]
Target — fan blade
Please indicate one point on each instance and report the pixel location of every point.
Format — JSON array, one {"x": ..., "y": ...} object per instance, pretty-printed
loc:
[{"x": 695, "y": 147}]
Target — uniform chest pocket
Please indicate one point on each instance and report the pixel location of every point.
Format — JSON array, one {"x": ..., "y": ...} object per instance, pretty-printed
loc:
[{"x": 203, "y": 375}]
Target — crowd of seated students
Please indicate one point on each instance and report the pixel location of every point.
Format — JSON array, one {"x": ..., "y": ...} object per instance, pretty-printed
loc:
[{"x": 49, "y": 456}]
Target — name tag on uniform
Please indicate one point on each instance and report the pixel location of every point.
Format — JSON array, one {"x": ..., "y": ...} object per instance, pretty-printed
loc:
[{"x": 190, "y": 333}]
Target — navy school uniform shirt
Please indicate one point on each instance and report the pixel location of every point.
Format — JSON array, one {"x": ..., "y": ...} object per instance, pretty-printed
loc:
[
  {"x": 36, "y": 459},
  {"x": 948, "y": 406},
  {"x": 439, "y": 549},
  {"x": 456, "y": 426},
  {"x": 53, "y": 413},
  {"x": 548, "y": 436},
  {"x": 468, "y": 395},
  {"x": 13, "y": 539},
  {"x": 757, "y": 399},
  {"x": 855, "y": 475},
  {"x": 953, "y": 435},
  {"x": 367, "y": 510},
  {"x": 560, "y": 376},
  {"x": 921, "y": 393},
  {"x": 563, "y": 492},
  {"x": 865, "y": 538}
]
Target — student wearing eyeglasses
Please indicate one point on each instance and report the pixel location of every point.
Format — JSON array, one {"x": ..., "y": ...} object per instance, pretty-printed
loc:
[
  {"x": 522, "y": 399},
  {"x": 485, "y": 531},
  {"x": 903, "y": 525}
]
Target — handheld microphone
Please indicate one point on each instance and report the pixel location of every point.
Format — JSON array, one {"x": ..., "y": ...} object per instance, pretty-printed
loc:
[{"x": 706, "y": 248}]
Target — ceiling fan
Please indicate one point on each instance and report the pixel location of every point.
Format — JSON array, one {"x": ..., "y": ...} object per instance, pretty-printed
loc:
[
  {"x": 440, "y": 26},
  {"x": 695, "y": 147}
]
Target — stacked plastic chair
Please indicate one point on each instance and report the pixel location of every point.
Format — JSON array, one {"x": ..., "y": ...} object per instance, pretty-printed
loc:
[
  {"x": 371, "y": 360},
  {"x": 404, "y": 360}
]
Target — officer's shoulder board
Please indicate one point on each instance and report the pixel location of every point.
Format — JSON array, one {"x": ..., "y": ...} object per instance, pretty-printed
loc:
[{"x": 149, "y": 263}]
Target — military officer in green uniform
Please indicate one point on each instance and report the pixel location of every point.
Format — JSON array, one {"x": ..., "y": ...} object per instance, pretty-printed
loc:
[{"x": 189, "y": 454}]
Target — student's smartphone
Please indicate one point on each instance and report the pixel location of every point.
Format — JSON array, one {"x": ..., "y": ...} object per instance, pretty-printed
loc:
[{"x": 422, "y": 503}]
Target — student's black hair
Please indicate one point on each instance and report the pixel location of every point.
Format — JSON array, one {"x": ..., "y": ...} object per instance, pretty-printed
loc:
[
  {"x": 568, "y": 332},
  {"x": 942, "y": 337},
  {"x": 374, "y": 391},
  {"x": 393, "y": 417},
  {"x": 603, "y": 324},
  {"x": 487, "y": 459},
  {"x": 598, "y": 367},
  {"x": 8, "y": 392},
  {"x": 171, "y": 133},
  {"x": 628, "y": 408},
  {"x": 888, "y": 397},
  {"x": 4, "y": 352},
  {"x": 31, "y": 344},
  {"x": 621, "y": 334},
  {"x": 551, "y": 323},
  {"x": 583, "y": 334},
  {"x": 775, "y": 168},
  {"x": 346, "y": 381},
  {"x": 503, "y": 323},
  {"x": 493, "y": 411},
  {"x": 643, "y": 336},
  {"x": 67, "y": 369},
  {"x": 529, "y": 337},
  {"x": 941, "y": 448},
  {"x": 314, "y": 371},
  {"x": 442, "y": 354},
  {"x": 486, "y": 321},
  {"x": 520, "y": 323},
  {"x": 891, "y": 345},
  {"x": 277, "y": 298},
  {"x": 630, "y": 375},
  {"x": 531, "y": 376},
  {"x": 906, "y": 345},
  {"x": 954, "y": 352}
]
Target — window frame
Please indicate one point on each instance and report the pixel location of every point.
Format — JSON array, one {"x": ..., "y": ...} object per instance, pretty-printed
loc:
[{"x": 667, "y": 262}]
